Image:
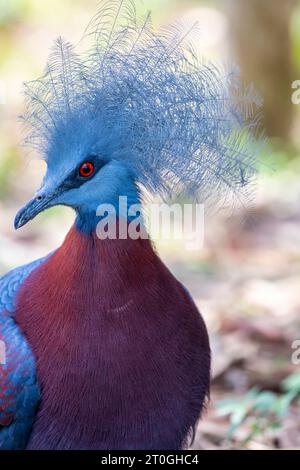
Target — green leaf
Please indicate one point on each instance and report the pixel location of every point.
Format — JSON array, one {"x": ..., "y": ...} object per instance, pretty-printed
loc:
[
  {"x": 282, "y": 404},
  {"x": 265, "y": 401},
  {"x": 292, "y": 383},
  {"x": 227, "y": 407}
]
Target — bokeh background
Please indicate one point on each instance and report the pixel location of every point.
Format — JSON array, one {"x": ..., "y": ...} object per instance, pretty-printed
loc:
[{"x": 246, "y": 279}]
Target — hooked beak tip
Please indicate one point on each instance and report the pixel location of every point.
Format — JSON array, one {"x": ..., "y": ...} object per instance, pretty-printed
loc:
[
  {"x": 22, "y": 217},
  {"x": 20, "y": 220},
  {"x": 31, "y": 210}
]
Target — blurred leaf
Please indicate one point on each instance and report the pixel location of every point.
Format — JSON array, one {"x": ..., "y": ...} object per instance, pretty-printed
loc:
[
  {"x": 226, "y": 407},
  {"x": 8, "y": 163},
  {"x": 265, "y": 409},
  {"x": 292, "y": 383},
  {"x": 11, "y": 11},
  {"x": 282, "y": 404},
  {"x": 239, "y": 415},
  {"x": 276, "y": 156},
  {"x": 233, "y": 406},
  {"x": 265, "y": 401}
]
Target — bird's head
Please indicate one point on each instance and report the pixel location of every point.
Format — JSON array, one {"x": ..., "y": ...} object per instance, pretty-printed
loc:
[
  {"x": 135, "y": 111},
  {"x": 81, "y": 175}
]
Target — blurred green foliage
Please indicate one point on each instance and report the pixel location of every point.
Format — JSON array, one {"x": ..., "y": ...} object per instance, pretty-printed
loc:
[
  {"x": 295, "y": 32},
  {"x": 264, "y": 409},
  {"x": 8, "y": 165},
  {"x": 12, "y": 11}
]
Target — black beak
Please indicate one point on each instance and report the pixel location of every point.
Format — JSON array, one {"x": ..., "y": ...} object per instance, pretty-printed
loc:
[{"x": 32, "y": 209}]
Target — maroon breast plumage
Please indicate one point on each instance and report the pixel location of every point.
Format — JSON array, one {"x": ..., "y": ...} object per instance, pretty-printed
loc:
[{"x": 122, "y": 352}]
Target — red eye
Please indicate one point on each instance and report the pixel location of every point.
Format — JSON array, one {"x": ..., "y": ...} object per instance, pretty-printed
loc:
[{"x": 86, "y": 169}]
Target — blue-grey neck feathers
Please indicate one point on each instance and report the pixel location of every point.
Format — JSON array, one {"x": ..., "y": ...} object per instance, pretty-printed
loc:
[{"x": 143, "y": 97}]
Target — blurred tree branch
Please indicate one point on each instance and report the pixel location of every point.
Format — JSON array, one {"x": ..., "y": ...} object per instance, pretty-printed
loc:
[{"x": 260, "y": 36}]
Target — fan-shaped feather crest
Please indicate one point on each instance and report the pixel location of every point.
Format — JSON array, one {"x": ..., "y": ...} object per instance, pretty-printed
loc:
[{"x": 182, "y": 125}]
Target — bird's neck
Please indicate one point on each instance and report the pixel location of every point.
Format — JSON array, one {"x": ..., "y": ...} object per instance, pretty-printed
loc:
[{"x": 124, "y": 204}]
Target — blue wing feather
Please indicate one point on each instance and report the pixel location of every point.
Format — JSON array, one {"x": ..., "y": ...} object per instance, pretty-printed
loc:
[
  {"x": 10, "y": 283},
  {"x": 19, "y": 391}
]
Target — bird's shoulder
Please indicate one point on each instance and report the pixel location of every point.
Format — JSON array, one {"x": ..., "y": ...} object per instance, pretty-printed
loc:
[{"x": 11, "y": 282}]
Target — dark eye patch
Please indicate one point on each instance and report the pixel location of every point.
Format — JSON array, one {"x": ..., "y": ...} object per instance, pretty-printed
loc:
[{"x": 75, "y": 180}]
